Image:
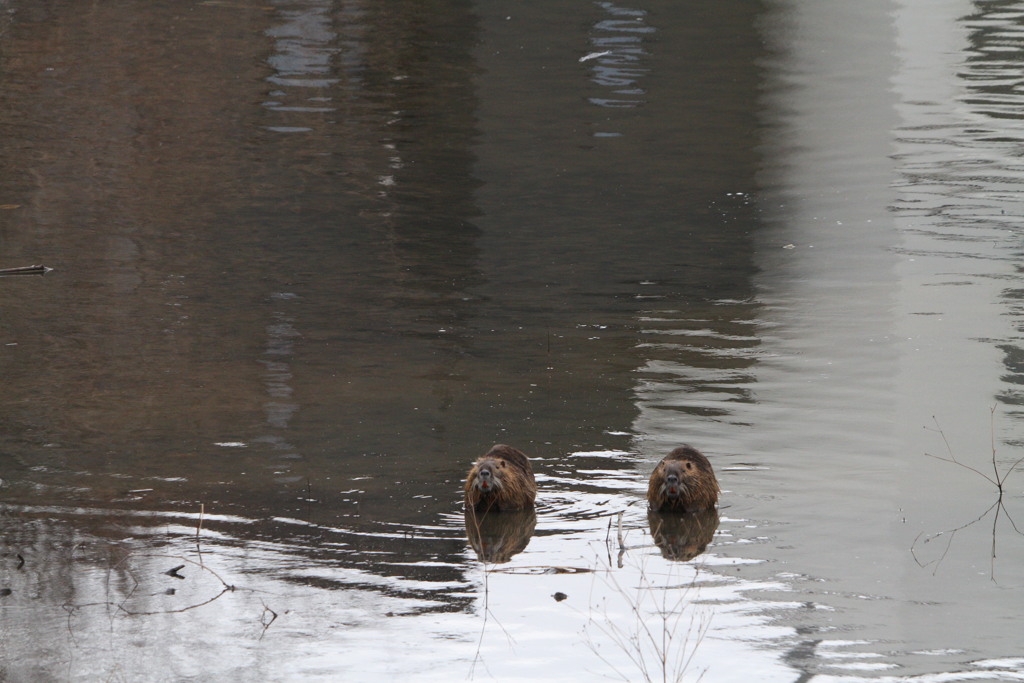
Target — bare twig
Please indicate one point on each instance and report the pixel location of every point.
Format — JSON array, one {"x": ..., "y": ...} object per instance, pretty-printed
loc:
[
  {"x": 25, "y": 270},
  {"x": 997, "y": 479},
  {"x": 263, "y": 617},
  {"x": 476, "y": 521},
  {"x": 622, "y": 540},
  {"x": 199, "y": 528},
  {"x": 952, "y": 534},
  {"x": 952, "y": 458},
  {"x": 120, "y": 605},
  {"x": 658, "y": 651}
]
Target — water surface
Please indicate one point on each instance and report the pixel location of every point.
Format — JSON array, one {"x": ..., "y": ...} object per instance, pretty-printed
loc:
[{"x": 312, "y": 257}]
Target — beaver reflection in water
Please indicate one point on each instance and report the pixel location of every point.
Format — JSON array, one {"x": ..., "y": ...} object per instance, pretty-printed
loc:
[
  {"x": 683, "y": 537},
  {"x": 501, "y": 480},
  {"x": 496, "y": 538},
  {"x": 683, "y": 482}
]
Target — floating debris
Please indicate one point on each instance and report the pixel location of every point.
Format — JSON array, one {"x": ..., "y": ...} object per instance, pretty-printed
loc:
[
  {"x": 174, "y": 572},
  {"x": 25, "y": 270}
]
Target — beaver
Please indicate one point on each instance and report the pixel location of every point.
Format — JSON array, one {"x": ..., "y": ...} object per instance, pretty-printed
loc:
[
  {"x": 683, "y": 482},
  {"x": 501, "y": 480},
  {"x": 683, "y": 537}
]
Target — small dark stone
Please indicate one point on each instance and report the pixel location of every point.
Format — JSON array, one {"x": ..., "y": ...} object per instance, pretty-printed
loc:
[{"x": 559, "y": 596}]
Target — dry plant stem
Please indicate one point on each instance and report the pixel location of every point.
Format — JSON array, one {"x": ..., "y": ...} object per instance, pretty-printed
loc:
[
  {"x": 226, "y": 587},
  {"x": 266, "y": 624},
  {"x": 622, "y": 540},
  {"x": 25, "y": 270},
  {"x": 635, "y": 639},
  {"x": 952, "y": 458},
  {"x": 120, "y": 606},
  {"x": 996, "y": 480},
  {"x": 487, "y": 613},
  {"x": 952, "y": 534},
  {"x": 199, "y": 528},
  {"x": 608, "y": 542}
]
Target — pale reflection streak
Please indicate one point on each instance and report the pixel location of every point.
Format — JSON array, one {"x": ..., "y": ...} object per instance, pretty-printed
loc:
[
  {"x": 618, "y": 44},
  {"x": 281, "y": 336},
  {"x": 698, "y": 367},
  {"x": 304, "y": 44},
  {"x": 994, "y": 96}
]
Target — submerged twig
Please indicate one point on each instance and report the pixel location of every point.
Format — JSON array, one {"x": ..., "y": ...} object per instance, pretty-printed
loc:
[
  {"x": 263, "y": 619},
  {"x": 622, "y": 540},
  {"x": 199, "y": 529},
  {"x": 952, "y": 534},
  {"x": 25, "y": 270},
  {"x": 71, "y": 608}
]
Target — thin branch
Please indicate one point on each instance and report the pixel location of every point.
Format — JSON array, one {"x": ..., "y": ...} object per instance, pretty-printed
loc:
[
  {"x": 656, "y": 647},
  {"x": 1009, "y": 517},
  {"x": 966, "y": 467},
  {"x": 995, "y": 522},
  {"x": 992, "y": 439},
  {"x": 952, "y": 533},
  {"x": 952, "y": 458},
  {"x": 25, "y": 270},
  {"x": 133, "y": 613},
  {"x": 266, "y": 624},
  {"x": 1007, "y": 473},
  {"x": 996, "y": 480}
]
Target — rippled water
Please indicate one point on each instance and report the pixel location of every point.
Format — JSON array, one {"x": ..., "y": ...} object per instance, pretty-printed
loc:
[{"x": 312, "y": 257}]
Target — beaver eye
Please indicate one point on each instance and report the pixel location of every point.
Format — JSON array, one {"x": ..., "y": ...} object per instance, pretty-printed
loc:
[{"x": 689, "y": 465}]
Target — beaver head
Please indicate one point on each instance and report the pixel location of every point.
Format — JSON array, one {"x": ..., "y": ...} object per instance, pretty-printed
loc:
[
  {"x": 501, "y": 480},
  {"x": 683, "y": 481},
  {"x": 488, "y": 476}
]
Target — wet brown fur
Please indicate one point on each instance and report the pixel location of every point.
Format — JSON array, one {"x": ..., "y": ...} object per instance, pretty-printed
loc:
[
  {"x": 696, "y": 489},
  {"x": 501, "y": 480}
]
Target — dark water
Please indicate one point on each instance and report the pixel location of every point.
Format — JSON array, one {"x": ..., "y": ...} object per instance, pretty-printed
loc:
[{"x": 312, "y": 258}]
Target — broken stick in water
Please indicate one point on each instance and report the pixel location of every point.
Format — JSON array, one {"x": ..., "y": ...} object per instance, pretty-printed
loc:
[{"x": 25, "y": 270}]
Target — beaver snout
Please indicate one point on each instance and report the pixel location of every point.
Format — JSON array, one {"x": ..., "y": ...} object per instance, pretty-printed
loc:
[
  {"x": 485, "y": 478},
  {"x": 672, "y": 485}
]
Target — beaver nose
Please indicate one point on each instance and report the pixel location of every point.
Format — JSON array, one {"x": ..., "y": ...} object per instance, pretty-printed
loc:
[
  {"x": 672, "y": 479},
  {"x": 484, "y": 479}
]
